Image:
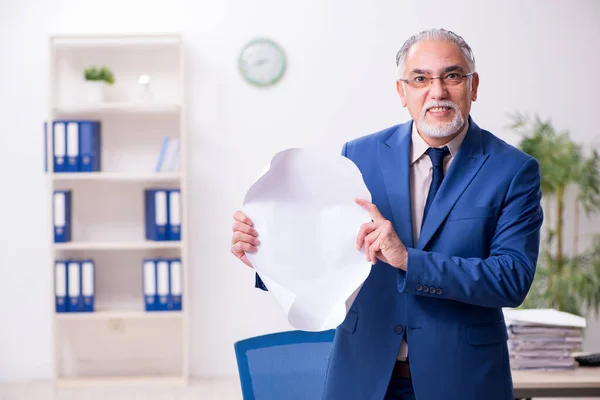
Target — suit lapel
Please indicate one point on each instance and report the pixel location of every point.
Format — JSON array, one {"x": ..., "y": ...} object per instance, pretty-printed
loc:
[
  {"x": 463, "y": 169},
  {"x": 394, "y": 156}
]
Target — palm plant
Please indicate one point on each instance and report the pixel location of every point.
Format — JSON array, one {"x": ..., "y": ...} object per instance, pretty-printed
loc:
[{"x": 571, "y": 282}]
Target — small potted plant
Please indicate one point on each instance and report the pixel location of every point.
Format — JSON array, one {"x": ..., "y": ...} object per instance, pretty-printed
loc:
[{"x": 95, "y": 80}]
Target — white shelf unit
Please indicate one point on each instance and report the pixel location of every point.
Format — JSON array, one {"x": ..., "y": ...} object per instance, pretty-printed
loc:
[
  {"x": 120, "y": 245},
  {"x": 123, "y": 381},
  {"x": 119, "y": 342},
  {"x": 118, "y": 107},
  {"x": 118, "y": 176},
  {"x": 112, "y": 314}
]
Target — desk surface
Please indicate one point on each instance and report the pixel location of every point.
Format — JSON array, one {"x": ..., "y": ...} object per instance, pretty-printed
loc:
[{"x": 580, "y": 377}]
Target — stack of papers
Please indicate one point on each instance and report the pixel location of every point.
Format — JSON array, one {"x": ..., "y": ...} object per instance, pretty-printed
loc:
[{"x": 543, "y": 339}]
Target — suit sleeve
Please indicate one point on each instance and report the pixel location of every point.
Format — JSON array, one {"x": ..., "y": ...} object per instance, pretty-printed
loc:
[
  {"x": 503, "y": 278},
  {"x": 258, "y": 283}
]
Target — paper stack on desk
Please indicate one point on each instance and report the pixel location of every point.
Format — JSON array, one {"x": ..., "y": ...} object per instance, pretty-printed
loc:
[{"x": 543, "y": 339}]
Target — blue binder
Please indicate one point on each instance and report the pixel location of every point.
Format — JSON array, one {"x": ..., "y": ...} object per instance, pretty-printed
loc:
[
  {"x": 174, "y": 219},
  {"x": 62, "y": 216},
  {"x": 72, "y": 128},
  {"x": 149, "y": 284},
  {"x": 88, "y": 285},
  {"x": 90, "y": 146},
  {"x": 74, "y": 286},
  {"x": 156, "y": 209},
  {"x": 175, "y": 284},
  {"x": 60, "y": 286},
  {"x": 59, "y": 146},
  {"x": 162, "y": 284}
]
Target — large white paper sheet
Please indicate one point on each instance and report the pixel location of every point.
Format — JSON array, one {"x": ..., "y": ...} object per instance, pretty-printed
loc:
[{"x": 303, "y": 209}]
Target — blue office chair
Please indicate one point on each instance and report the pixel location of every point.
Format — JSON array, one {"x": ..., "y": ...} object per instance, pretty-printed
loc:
[{"x": 284, "y": 366}]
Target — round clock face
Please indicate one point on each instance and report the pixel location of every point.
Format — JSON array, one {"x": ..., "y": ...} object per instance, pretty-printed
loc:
[{"x": 262, "y": 62}]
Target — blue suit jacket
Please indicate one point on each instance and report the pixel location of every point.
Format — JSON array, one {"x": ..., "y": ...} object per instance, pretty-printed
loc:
[{"x": 476, "y": 253}]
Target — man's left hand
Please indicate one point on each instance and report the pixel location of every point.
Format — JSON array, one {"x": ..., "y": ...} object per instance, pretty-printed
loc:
[{"x": 380, "y": 239}]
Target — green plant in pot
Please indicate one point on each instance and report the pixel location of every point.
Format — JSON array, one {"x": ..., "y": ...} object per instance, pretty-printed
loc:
[
  {"x": 570, "y": 281},
  {"x": 102, "y": 74},
  {"x": 95, "y": 81}
]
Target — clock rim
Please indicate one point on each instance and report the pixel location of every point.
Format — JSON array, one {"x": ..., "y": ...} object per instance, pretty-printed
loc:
[{"x": 278, "y": 48}]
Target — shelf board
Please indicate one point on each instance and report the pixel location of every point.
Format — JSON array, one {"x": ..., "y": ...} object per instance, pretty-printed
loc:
[
  {"x": 124, "y": 107},
  {"x": 124, "y": 245},
  {"x": 117, "y": 176},
  {"x": 84, "y": 41},
  {"x": 104, "y": 314},
  {"x": 121, "y": 381}
]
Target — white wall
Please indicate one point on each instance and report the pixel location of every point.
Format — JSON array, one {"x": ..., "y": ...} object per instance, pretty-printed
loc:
[{"x": 536, "y": 57}]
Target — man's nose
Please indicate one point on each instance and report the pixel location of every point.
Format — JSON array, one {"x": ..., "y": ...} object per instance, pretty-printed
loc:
[{"x": 437, "y": 90}]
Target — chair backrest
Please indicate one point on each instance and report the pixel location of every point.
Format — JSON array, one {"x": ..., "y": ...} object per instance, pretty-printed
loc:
[{"x": 284, "y": 366}]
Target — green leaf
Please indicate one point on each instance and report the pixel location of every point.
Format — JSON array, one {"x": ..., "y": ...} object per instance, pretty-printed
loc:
[{"x": 99, "y": 74}]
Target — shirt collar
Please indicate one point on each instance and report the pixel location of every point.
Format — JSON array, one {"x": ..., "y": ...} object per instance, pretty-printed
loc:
[{"x": 420, "y": 146}]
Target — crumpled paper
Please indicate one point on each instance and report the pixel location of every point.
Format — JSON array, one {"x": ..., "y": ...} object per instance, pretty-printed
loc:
[{"x": 303, "y": 209}]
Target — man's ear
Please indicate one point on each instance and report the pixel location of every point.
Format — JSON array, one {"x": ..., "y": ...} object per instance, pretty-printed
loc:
[
  {"x": 474, "y": 86},
  {"x": 400, "y": 90}
]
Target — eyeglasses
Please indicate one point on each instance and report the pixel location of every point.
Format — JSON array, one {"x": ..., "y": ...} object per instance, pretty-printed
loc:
[{"x": 450, "y": 79}]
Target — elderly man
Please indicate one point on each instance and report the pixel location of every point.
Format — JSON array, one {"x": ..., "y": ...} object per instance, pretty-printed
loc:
[{"x": 454, "y": 238}]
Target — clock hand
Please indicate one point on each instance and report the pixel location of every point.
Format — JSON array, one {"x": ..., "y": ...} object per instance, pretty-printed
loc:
[{"x": 261, "y": 61}]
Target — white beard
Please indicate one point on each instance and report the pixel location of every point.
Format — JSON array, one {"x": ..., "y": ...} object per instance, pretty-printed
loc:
[{"x": 444, "y": 129}]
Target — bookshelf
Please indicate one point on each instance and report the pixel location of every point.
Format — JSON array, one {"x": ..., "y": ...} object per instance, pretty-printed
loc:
[{"x": 119, "y": 342}]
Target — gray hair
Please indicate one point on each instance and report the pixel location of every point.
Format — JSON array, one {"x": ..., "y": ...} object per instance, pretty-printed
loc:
[{"x": 435, "y": 34}]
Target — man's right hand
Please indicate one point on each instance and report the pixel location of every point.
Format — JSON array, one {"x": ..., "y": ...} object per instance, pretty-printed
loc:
[{"x": 244, "y": 237}]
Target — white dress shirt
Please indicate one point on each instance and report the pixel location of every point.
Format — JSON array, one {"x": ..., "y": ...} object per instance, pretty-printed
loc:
[{"x": 421, "y": 171}]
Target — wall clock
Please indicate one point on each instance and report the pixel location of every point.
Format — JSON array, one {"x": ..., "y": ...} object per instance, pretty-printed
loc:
[{"x": 262, "y": 62}]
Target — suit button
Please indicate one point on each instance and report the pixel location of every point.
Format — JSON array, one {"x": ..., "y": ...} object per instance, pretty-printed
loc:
[
  {"x": 419, "y": 287},
  {"x": 398, "y": 329},
  {"x": 439, "y": 291},
  {"x": 426, "y": 289}
]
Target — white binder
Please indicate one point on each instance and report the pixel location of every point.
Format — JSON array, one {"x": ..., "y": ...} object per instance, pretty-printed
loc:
[
  {"x": 149, "y": 284},
  {"x": 161, "y": 213},
  {"x": 87, "y": 285},
  {"x": 60, "y": 286},
  {"x": 72, "y": 146},
  {"x": 175, "y": 285},
  {"x": 74, "y": 286},
  {"x": 162, "y": 275},
  {"x": 175, "y": 214},
  {"x": 59, "y": 146}
]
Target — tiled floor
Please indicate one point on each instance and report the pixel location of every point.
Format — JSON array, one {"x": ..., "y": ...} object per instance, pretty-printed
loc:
[{"x": 196, "y": 390}]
